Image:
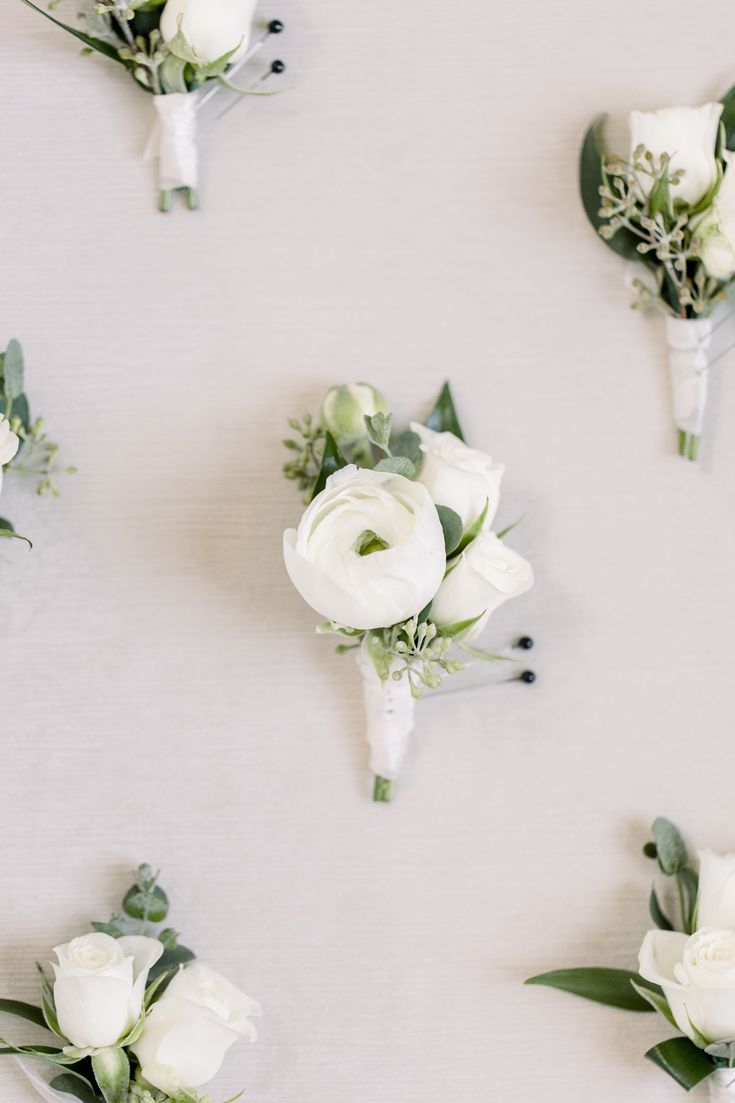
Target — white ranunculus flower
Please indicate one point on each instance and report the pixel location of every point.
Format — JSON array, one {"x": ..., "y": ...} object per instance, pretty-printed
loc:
[
  {"x": 716, "y": 898},
  {"x": 345, "y": 408},
  {"x": 697, "y": 975},
  {"x": 715, "y": 230},
  {"x": 9, "y": 444},
  {"x": 211, "y": 27},
  {"x": 689, "y": 136},
  {"x": 459, "y": 477},
  {"x": 189, "y": 1030},
  {"x": 387, "y": 515},
  {"x": 99, "y": 987},
  {"x": 487, "y": 574}
]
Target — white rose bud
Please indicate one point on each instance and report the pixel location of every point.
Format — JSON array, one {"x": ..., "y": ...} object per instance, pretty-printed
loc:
[
  {"x": 9, "y": 444},
  {"x": 100, "y": 985},
  {"x": 487, "y": 574},
  {"x": 369, "y": 550},
  {"x": 697, "y": 975},
  {"x": 189, "y": 1030},
  {"x": 689, "y": 136},
  {"x": 345, "y": 408},
  {"x": 459, "y": 477},
  {"x": 715, "y": 230},
  {"x": 212, "y": 28}
]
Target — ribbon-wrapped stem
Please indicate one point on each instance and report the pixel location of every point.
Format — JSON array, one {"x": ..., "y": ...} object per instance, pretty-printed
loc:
[
  {"x": 389, "y": 714},
  {"x": 689, "y": 340},
  {"x": 722, "y": 1086},
  {"x": 174, "y": 143}
]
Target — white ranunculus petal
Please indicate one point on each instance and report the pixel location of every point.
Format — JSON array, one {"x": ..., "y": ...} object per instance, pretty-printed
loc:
[
  {"x": 377, "y": 590},
  {"x": 211, "y": 27},
  {"x": 182, "y": 1045},
  {"x": 459, "y": 477},
  {"x": 689, "y": 136},
  {"x": 487, "y": 574}
]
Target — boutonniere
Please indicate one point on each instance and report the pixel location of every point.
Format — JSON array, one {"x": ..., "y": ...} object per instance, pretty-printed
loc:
[
  {"x": 183, "y": 52},
  {"x": 25, "y": 447},
  {"x": 397, "y": 552},
  {"x": 686, "y": 966},
  {"x": 135, "y": 1018},
  {"x": 668, "y": 205}
]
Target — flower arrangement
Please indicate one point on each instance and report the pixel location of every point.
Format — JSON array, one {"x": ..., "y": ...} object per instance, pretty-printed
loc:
[
  {"x": 173, "y": 49},
  {"x": 686, "y": 966},
  {"x": 395, "y": 550},
  {"x": 135, "y": 1018},
  {"x": 669, "y": 206},
  {"x": 24, "y": 444}
]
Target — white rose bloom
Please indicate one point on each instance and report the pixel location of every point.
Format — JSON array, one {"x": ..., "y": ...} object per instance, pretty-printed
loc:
[
  {"x": 689, "y": 136},
  {"x": 358, "y": 508},
  {"x": 459, "y": 477},
  {"x": 715, "y": 230},
  {"x": 99, "y": 987},
  {"x": 697, "y": 975},
  {"x": 345, "y": 408},
  {"x": 487, "y": 574},
  {"x": 9, "y": 444},
  {"x": 211, "y": 27},
  {"x": 189, "y": 1030},
  {"x": 716, "y": 899}
]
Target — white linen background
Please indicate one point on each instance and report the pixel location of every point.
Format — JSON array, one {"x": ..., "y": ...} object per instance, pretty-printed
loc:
[{"x": 408, "y": 211}]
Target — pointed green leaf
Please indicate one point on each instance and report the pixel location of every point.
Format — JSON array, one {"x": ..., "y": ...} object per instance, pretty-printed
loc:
[
  {"x": 72, "y": 1083},
  {"x": 609, "y": 986},
  {"x": 451, "y": 523},
  {"x": 451, "y": 631},
  {"x": 657, "y": 1001},
  {"x": 48, "y": 1004},
  {"x": 8, "y": 532},
  {"x": 111, "y": 1069},
  {"x": 728, "y": 117},
  {"x": 690, "y": 883},
  {"x": 657, "y": 913},
  {"x": 509, "y": 528},
  {"x": 672, "y": 853},
  {"x": 23, "y": 1010},
  {"x": 474, "y": 530},
  {"x": 332, "y": 461},
  {"x": 45, "y": 1053},
  {"x": 169, "y": 963},
  {"x": 443, "y": 418},
  {"x": 682, "y": 1060},
  {"x": 94, "y": 43}
]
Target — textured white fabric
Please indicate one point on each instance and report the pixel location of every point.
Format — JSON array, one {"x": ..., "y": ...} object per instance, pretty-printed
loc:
[
  {"x": 688, "y": 340},
  {"x": 389, "y": 716},
  {"x": 173, "y": 140}
]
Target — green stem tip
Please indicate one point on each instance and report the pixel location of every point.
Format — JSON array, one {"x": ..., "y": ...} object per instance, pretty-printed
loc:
[
  {"x": 382, "y": 790},
  {"x": 688, "y": 445}
]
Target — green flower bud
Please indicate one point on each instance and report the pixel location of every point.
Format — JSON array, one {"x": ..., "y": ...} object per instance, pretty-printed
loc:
[{"x": 345, "y": 408}]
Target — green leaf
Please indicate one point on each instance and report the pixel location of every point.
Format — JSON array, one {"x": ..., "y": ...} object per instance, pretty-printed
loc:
[
  {"x": 408, "y": 444},
  {"x": 332, "y": 461},
  {"x": 443, "y": 417},
  {"x": 451, "y": 523},
  {"x": 398, "y": 465},
  {"x": 215, "y": 68},
  {"x": 728, "y": 117},
  {"x": 13, "y": 371},
  {"x": 72, "y": 1083},
  {"x": 483, "y": 654},
  {"x": 450, "y": 631},
  {"x": 369, "y": 542},
  {"x": 682, "y": 1060},
  {"x": 48, "y": 1004},
  {"x": 689, "y": 881},
  {"x": 111, "y": 1069},
  {"x": 150, "y": 906},
  {"x": 8, "y": 532},
  {"x": 509, "y": 528},
  {"x": 171, "y": 73},
  {"x": 169, "y": 963},
  {"x": 657, "y": 913},
  {"x": 672, "y": 853},
  {"x": 659, "y": 200},
  {"x": 44, "y": 1053},
  {"x": 378, "y": 428},
  {"x": 591, "y": 178},
  {"x": 23, "y": 1010},
  {"x": 657, "y": 1001},
  {"x": 474, "y": 530},
  {"x": 181, "y": 46},
  {"x": 609, "y": 986},
  {"x": 19, "y": 409},
  {"x": 94, "y": 43}
]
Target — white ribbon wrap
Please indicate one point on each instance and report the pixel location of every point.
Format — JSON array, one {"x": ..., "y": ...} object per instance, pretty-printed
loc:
[
  {"x": 389, "y": 712},
  {"x": 688, "y": 340},
  {"x": 42, "y": 1087},
  {"x": 722, "y": 1086},
  {"x": 174, "y": 140}
]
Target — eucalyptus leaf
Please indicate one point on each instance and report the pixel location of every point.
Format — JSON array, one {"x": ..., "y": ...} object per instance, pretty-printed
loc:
[
  {"x": 613, "y": 987},
  {"x": 398, "y": 465},
  {"x": 111, "y": 1069},
  {"x": 408, "y": 444},
  {"x": 657, "y": 914},
  {"x": 97, "y": 44},
  {"x": 378, "y": 428},
  {"x": 71, "y": 1083},
  {"x": 13, "y": 371},
  {"x": 670, "y": 848},
  {"x": 451, "y": 523},
  {"x": 443, "y": 417},
  {"x": 591, "y": 178},
  {"x": 22, "y": 1010},
  {"x": 332, "y": 461},
  {"x": 682, "y": 1060},
  {"x": 19, "y": 409}
]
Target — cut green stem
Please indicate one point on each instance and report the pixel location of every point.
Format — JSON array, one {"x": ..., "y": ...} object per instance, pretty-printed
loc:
[{"x": 382, "y": 790}]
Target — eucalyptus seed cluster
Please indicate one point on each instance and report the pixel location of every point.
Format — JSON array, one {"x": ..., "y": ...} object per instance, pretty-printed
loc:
[
  {"x": 308, "y": 452},
  {"x": 139, "y": 1093},
  {"x": 421, "y": 649},
  {"x": 665, "y": 229},
  {"x": 39, "y": 456}
]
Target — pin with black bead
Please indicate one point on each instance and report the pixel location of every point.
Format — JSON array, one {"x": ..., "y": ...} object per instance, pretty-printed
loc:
[{"x": 276, "y": 26}]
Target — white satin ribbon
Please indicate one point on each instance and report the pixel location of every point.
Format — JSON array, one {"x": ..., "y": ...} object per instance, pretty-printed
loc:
[
  {"x": 722, "y": 1086},
  {"x": 389, "y": 712},
  {"x": 173, "y": 140},
  {"x": 689, "y": 340},
  {"x": 41, "y": 1086}
]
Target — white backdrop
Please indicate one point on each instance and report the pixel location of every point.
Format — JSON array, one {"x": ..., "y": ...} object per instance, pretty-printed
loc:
[{"x": 406, "y": 212}]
